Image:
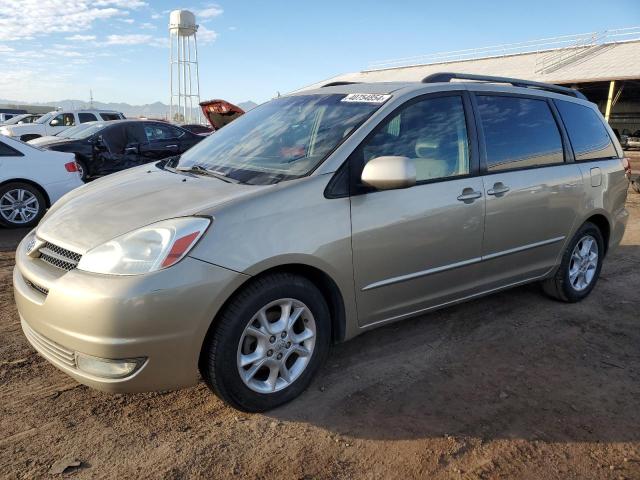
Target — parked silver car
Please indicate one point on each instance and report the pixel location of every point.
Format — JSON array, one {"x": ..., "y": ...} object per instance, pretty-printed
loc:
[{"x": 316, "y": 217}]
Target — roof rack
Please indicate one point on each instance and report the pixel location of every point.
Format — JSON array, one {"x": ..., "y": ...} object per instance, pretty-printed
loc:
[
  {"x": 338, "y": 83},
  {"x": 516, "y": 82}
]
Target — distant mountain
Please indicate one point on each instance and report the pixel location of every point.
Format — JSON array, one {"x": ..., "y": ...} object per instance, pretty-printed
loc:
[{"x": 151, "y": 110}]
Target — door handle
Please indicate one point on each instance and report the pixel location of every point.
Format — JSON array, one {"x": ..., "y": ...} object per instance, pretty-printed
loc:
[
  {"x": 498, "y": 189},
  {"x": 172, "y": 146},
  {"x": 469, "y": 195}
]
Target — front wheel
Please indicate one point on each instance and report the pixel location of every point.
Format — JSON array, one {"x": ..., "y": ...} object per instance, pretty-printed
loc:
[
  {"x": 580, "y": 267},
  {"x": 267, "y": 343}
]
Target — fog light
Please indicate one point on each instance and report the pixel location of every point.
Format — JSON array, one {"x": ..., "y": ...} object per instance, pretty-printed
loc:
[{"x": 107, "y": 368}]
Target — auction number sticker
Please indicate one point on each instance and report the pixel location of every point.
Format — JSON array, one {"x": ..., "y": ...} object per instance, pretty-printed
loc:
[{"x": 366, "y": 98}]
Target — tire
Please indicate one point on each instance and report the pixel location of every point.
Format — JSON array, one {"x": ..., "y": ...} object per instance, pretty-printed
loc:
[
  {"x": 27, "y": 137},
  {"x": 232, "y": 341},
  {"x": 566, "y": 285},
  {"x": 82, "y": 167},
  {"x": 21, "y": 205}
]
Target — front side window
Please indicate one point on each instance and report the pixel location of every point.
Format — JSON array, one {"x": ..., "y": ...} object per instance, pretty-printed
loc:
[
  {"x": 588, "y": 136},
  {"x": 86, "y": 117},
  {"x": 519, "y": 132},
  {"x": 282, "y": 139},
  {"x": 431, "y": 132},
  {"x": 63, "y": 120}
]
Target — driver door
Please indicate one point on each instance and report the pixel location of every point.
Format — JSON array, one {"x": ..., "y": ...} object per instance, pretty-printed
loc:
[{"x": 419, "y": 247}]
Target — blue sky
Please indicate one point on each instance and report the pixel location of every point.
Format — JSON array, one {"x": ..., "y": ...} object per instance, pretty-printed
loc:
[{"x": 249, "y": 50}]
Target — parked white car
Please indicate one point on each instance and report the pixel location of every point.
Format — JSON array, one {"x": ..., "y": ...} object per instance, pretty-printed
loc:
[
  {"x": 21, "y": 118},
  {"x": 55, "y": 122},
  {"x": 31, "y": 180}
]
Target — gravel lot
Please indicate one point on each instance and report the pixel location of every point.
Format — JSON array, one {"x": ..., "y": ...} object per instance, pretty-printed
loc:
[{"x": 510, "y": 386}]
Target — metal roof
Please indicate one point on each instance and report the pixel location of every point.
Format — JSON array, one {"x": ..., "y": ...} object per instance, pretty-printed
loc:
[{"x": 588, "y": 58}]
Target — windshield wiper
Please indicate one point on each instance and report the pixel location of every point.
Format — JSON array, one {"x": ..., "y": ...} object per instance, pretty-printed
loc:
[{"x": 199, "y": 169}]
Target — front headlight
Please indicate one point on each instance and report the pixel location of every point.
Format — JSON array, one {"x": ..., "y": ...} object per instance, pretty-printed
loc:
[
  {"x": 147, "y": 249},
  {"x": 5, "y": 131}
]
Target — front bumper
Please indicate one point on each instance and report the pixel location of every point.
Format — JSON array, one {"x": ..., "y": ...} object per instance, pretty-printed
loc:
[{"x": 162, "y": 317}]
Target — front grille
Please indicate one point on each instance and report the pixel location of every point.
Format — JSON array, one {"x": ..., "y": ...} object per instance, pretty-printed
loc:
[
  {"x": 42, "y": 290},
  {"x": 59, "y": 257},
  {"x": 49, "y": 348}
]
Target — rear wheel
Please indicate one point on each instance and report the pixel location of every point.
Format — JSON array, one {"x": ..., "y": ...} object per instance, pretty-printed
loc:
[
  {"x": 267, "y": 343},
  {"x": 21, "y": 205},
  {"x": 82, "y": 170},
  {"x": 580, "y": 267}
]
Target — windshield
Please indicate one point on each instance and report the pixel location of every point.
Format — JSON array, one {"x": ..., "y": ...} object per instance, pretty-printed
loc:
[
  {"x": 45, "y": 118},
  {"x": 73, "y": 131},
  {"x": 16, "y": 119},
  {"x": 282, "y": 139},
  {"x": 84, "y": 130}
]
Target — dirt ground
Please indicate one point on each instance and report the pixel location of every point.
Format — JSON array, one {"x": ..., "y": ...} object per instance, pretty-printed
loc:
[{"x": 514, "y": 385}]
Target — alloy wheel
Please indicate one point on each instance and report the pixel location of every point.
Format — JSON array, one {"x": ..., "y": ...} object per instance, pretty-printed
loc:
[
  {"x": 19, "y": 206},
  {"x": 276, "y": 345},
  {"x": 583, "y": 263}
]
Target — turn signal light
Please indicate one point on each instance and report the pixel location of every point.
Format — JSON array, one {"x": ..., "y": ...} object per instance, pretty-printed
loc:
[{"x": 71, "y": 167}]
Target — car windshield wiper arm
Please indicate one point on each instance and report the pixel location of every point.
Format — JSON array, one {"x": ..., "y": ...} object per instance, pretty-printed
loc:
[{"x": 199, "y": 169}]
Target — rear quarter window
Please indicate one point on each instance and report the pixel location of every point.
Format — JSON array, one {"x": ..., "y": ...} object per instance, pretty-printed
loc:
[
  {"x": 588, "y": 135},
  {"x": 7, "y": 151}
]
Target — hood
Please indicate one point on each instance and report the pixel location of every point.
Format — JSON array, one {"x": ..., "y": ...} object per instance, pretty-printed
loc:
[
  {"x": 122, "y": 202},
  {"x": 220, "y": 112},
  {"x": 24, "y": 128},
  {"x": 46, "y": 140}
]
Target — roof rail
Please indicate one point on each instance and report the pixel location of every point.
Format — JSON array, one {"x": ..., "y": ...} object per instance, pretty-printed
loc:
[
  {"x": 516, "y": 82},
  {"x": 338, "y": 83}
]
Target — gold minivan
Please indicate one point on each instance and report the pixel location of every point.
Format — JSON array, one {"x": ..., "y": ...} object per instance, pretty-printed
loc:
[{"x": 313, "y": 218}]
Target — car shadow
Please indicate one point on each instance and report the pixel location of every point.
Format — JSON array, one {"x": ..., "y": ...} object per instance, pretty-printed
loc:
[
  {"x": 10, "y": 238},
  {"x": 511, "y": 365}
]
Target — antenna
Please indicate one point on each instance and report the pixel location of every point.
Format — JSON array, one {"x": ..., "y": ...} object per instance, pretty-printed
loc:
[
  {"x": 183, "y": 62},
  {"x": 90, "y": 98}
]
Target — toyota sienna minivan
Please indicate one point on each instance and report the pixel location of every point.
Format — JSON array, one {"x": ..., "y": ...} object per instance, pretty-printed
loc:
[{"x": 313, "y": 218}]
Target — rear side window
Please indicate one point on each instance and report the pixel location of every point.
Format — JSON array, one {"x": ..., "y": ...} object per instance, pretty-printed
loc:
[
  {"x": 110, "y": 116},
  {"x": 587, "y": 133},
  {"x": 155, "y": 131},
  {"x": 87, "y": 117},
  {"x": 519, "y": 132}
]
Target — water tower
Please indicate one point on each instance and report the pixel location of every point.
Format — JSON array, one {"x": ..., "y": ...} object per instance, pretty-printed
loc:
[{"x": 183, "y": 62}]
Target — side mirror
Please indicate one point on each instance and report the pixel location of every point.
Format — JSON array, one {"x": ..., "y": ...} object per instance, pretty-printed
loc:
[
  {"x": 55, "y": 122},
  {"x": 387, "y": 173}
]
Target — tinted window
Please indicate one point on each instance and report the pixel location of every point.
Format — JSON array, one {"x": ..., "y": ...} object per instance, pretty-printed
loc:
[
  {"x": 7, "y": 151},
  {"x": 156, "y": 131},
  {"x": 432, "y": 132},
  {"x": 519, "y": 132},
  {"x": 587, "y": 133},
  {"x": 110, "y": 116},
  {"x": 87, "y": 117}
]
